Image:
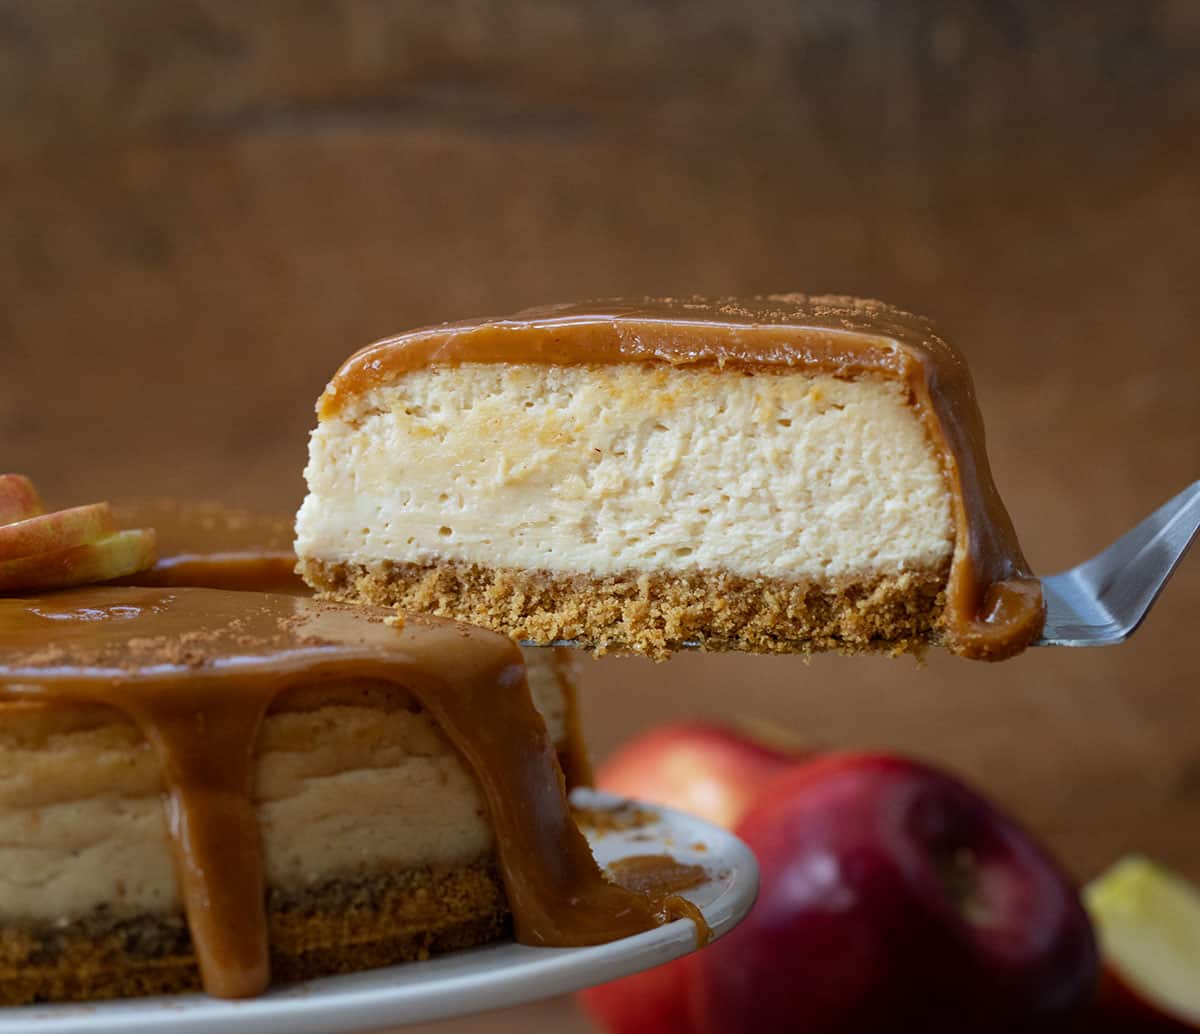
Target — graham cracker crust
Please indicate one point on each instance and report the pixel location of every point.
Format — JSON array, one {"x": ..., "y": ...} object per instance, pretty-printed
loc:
[
  {"x": 654, "y": 614},
  {"x": 340, "y": 926}
]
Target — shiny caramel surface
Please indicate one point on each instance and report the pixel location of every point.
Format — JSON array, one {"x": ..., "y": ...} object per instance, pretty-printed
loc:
[
  {"x": 214, "y": 546},
  {"x": 211, "y": 545},
  {"x": 994, "y": 606},
  {"x": 656, "y": 872}
]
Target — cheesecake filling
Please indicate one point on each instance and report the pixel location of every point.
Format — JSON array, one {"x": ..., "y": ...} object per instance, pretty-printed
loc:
[{"x": 617, "y": 469}]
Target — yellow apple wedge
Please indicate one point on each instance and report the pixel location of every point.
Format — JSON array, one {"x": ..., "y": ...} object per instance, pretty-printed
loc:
[
  {"x": 119, "y": 554},
  {"x": 1148, "y": 921},
  {"x": 54, "y": 532},
  {"x": 18, "y": 498}
]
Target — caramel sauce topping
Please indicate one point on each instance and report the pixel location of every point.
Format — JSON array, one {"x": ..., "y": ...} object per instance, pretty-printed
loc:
[
  {"x": 662, "y": 876},
  {"x": 209, "y": 545},
  {"x": 197, "y": 669},
  {"x": 656, "y": 872},
  {"x": 994, "y": 606}
]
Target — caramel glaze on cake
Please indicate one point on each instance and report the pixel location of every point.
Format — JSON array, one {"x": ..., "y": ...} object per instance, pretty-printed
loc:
[
  {"x": 213, "y": 546},
  {"x": 988, "y": 605},
  {"x": 197, "y": 670},
  {"x": 209, "y": 545}
]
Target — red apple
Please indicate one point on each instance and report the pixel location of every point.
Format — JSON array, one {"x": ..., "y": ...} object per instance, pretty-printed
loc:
[
  {"x": 702, "y": 768},
  {"x": 652, "y": 1002},
  {"x": 705, "y": 769},
  {"x": 895, "y": 899},
  {"x": 1148, "y": 919}
]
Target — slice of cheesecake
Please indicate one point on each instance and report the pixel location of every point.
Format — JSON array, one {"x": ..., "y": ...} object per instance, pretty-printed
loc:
[
  {"x": 233, "y": 787},
  {"x": 774, "y": 474}
]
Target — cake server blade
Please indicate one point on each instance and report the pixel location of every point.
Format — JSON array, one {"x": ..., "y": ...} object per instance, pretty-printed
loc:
[{"x": 1103, "y": 600}]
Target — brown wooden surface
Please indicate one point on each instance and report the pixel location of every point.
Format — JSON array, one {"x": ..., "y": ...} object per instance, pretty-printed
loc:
[{"x": 207, "y": 205}]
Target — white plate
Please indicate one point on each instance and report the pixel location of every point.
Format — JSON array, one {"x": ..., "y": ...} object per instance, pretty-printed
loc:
[{"x": 491, "y": 977}]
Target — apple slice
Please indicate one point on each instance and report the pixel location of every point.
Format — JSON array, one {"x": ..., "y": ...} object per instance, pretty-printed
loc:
[
  {"x": 18, "y": 498},
  {"x": 119, "y": 554},
  {"x": 1148, "y": 919},
  {"x": 54, "y": 532}
]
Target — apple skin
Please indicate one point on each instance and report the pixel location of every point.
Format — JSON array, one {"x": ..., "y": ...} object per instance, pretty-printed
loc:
[
  {"x": 895, "y": 899},
  {"x": 705, "y": 769}
]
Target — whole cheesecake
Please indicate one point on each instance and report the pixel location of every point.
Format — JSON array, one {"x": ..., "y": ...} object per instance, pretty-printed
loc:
[
  {"x": 774, "y": 474},
  {"x": 204, "y": 786},
  {"x": 221, "y": 787}
]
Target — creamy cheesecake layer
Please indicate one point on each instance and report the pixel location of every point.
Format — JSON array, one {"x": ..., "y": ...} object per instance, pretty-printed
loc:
[
  {"x": 360, "y": 785},
  {"x": 608, "y": 470}
]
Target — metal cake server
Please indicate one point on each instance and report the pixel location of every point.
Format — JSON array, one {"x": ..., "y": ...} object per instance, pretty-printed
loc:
[{"x": 1103, "y": 600}]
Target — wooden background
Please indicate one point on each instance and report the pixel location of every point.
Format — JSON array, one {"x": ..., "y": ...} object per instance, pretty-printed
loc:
[{"x": 207, "y": 205}]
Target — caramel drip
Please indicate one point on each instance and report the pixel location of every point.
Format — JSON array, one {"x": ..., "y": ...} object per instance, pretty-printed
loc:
[
  {"x": 659, "y": 874},
  {"x": 994, "y": 605},
  {"x": 197, "y": 669},
  {"x": 207, "y": 762}
]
